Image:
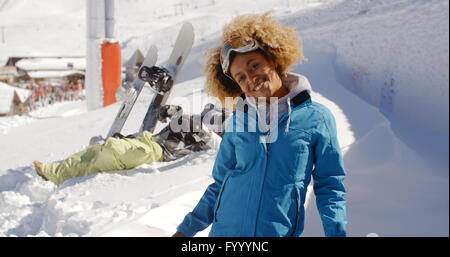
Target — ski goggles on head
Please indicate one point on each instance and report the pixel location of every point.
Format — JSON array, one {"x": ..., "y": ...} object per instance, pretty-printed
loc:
[{"x": 227, "y": 49}]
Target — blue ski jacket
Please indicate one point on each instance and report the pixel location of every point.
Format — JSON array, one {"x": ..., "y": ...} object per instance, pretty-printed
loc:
[{"x": 260, "y": 185}]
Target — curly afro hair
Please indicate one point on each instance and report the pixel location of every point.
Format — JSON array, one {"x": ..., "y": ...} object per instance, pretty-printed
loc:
[{"x": 281, "y": 43}]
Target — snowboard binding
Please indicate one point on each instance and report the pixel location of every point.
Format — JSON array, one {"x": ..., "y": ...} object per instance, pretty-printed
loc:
[{"x": 158, "y": 78}]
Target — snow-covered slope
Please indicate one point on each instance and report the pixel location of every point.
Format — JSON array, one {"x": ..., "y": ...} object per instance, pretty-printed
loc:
[{"x": 380, "y": 66}]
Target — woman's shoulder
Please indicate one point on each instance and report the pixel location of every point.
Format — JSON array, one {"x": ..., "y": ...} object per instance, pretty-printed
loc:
[
  {"x": 320, "y": 107},
  {"x": 326, "y": 115},
  {"x": 316, "y": 111}
]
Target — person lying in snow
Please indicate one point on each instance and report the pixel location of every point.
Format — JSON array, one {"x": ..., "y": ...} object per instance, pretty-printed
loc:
[{"x": 184, "y": 134}]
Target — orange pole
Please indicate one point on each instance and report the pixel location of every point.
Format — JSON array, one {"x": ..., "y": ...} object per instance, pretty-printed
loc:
[{"x": 111, "y": 71}]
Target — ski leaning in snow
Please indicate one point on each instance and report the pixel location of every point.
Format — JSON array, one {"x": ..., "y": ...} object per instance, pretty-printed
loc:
[
  {"x": 133, "y": 93},
  {"x": 161, "y": 79}
]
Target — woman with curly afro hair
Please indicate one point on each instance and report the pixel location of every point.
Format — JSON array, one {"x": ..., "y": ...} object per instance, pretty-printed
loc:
[{"x": 276, "y": 140}]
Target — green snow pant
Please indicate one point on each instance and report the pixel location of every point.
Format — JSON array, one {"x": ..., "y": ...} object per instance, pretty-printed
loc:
[{"x": 114, "y": 154}]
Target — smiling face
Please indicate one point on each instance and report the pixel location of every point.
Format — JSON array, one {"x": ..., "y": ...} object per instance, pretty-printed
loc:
[{"x": 256, "y": 76}]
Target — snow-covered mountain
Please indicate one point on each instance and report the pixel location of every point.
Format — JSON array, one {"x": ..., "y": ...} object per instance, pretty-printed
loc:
[{"x": 380, "y": 66}]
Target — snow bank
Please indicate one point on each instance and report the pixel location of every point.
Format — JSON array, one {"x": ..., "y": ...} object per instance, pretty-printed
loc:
[
  {"x": 7, "y": 94},
  {"x": 42, "y": 28},
  {"x": 393, "y": 54}
]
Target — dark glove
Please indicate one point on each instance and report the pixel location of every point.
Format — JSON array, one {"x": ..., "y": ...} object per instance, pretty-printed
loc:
[{"x": 168, "y": 111}]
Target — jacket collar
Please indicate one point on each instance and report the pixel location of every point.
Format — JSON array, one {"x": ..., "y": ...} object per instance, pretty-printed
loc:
[{"x": 297, "y": 100}]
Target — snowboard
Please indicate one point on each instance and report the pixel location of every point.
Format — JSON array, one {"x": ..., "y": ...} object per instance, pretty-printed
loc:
[
  {"x": 170, "y": 70},
  {"x": 132, "y": 94}
]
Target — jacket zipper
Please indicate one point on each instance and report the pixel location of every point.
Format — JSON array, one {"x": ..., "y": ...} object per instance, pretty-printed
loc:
[
  {"x": 264, "y": 176},
  {"x": 262, "y": 184}
]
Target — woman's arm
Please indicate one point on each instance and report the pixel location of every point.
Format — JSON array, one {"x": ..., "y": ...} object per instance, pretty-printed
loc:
[
  {"x": 328, "y": 176},
  {"x": 202, "y": 215}
]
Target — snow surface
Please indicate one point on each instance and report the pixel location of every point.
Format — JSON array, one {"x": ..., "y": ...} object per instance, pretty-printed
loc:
[
  {"x": 380, "y": 66},
  {"x": 51, "y": 63}
]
